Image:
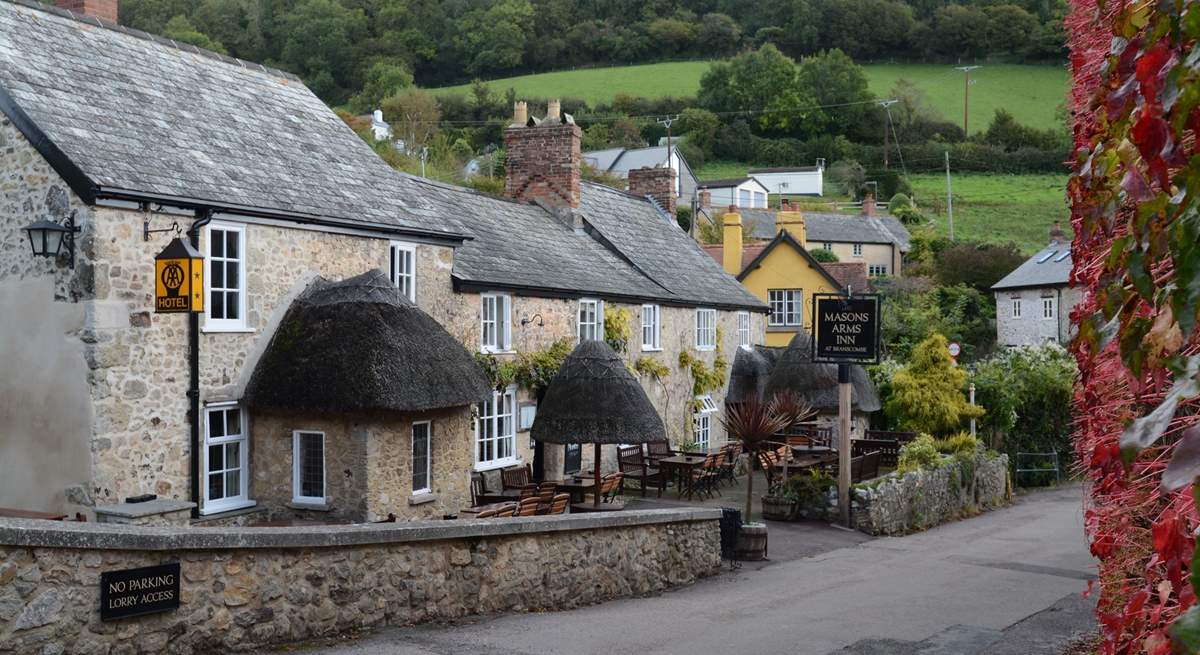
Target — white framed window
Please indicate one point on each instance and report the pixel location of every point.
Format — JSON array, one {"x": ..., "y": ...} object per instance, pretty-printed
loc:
[
  {"x": 226, "y": 466},
  {"x": 591, "y": 320},
  {"x": 495, "y": 322},
  {"x": 858, "y": 250},
  {"x": 422, "y": 457},
  {"x": 702, "y": 421},
  {"x": 308, "y": 467},
  {"x": 827, "y": 245},
  {"x": 404, "y": 268},
  {"x": 743, "y": 329},
  {"x": 706, "y": 329},
  {"x": 787, "y": 307},
  {"x": 495, "y": 431},
  {"x": 877, "y": 270},
  {"x": 225, "y": 277},
  {"x": 1016, "y": 308},
  {"x": 651, "y": 327},
  {"x": 1048, "y": 308}
]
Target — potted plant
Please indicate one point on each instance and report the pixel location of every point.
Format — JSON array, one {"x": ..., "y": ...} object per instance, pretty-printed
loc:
[
  {"x": 687, "y": 446},
  {"x": 809, "y": 493},
  {"x": 752, "y": 424},
  {"x": 779, "y": 504}
]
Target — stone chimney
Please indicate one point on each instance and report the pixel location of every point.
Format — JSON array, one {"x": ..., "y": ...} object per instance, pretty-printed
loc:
[
  {"x": 868, "y": 204},
  {"x": 731, "y": 241},
  {"x": 102, "y": 9},
  {"x": 1057, "y": 236},
  {"x": 656, "y": 182},
  {"x": 543, "y": 157},
  {"x": 705, "y": 198},
  {"x": 790, "y": 220}
]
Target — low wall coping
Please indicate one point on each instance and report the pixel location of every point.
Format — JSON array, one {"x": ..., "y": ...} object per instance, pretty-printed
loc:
[
  {"x": 113, "y": 536},
  {"x": 142, "y": 510}
]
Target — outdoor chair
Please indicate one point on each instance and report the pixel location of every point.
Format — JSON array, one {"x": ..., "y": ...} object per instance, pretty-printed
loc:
[
  {"x": 703, "y": 479},
  {"x": 767, "y": 459},
  {"x": 480, "y": 495},
  {"x": 559, "y": 504},
  {"x": 507, "y": 509},
  {"x": 657, "y": 450},
  {"x": 527, "y": 491},
  {"x": 516, "y": 477},
  {"x": 889, "y": 450},
  {"x": 528, "y": 506},
  {"x": 634, "y": 467},
  {"x": 864, "y": 467},
  {"x": 729, "y": 468},
  {"x": 487, "y": 514},
  {"x": 610, "y": 486}
]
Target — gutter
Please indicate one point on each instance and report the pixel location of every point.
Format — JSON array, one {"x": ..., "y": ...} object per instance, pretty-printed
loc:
[{"x": 472, "y": 286}]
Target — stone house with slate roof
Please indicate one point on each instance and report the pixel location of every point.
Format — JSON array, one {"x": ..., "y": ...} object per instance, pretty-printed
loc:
[
  {"x": 127, "y": 132},
  {"x": 1034, "y": 302}
]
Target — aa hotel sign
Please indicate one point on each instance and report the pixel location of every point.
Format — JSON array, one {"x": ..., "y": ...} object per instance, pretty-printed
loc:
[
  {"x": 178, "y": 279},
  {"x": 846, "y": 328},
  {"x": 134, "y": 592}
]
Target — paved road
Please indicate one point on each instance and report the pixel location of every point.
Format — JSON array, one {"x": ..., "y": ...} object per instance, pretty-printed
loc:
[{"x": 958, "y": 589}]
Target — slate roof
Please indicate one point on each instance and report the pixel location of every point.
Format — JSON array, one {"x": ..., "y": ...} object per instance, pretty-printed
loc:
[
  {"x": 796, "y": 169},
  {"x": 849, "y": 274},
  {"x": 839, "y": 228},
  {"x": 728, "y": 182},
  {"x": 1050, "y": 267},
  {"x": 623, "y": 160},
  {"x": 142, "y": 117}
]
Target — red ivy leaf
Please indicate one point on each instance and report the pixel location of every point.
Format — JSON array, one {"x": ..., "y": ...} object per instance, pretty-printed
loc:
[{"x": 1149, "y": 70}]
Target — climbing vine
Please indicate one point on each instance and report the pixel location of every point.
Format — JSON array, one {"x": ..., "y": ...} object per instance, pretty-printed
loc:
[
  {"x": 705, "y": 379},
  {"x": 617, "y": 329},
  {"x": 531, "y": 370},
  {"x": 651, "y": 367}
]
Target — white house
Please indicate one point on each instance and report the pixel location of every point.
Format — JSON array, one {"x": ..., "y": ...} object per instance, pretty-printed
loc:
[
  {"x": 619, "y": 161},
  {"x": 800, "y": 181},
  {"x": 742, "y": 192},
  {"x": 1034, "y": 302}
]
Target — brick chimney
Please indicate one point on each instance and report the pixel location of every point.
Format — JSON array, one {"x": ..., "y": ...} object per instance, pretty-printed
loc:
[
  {"x": 731, "y": 241},
  {"x": 705, "y": 198},
  {"x": 1057, "y": 236},
  {"x": 102, "y": 9},
  {"x": 543, "y": 157},
  {"x": 868, "y": 204},
  {"x": 790, "y": 220},
  {"x": 658, "y": 182}
]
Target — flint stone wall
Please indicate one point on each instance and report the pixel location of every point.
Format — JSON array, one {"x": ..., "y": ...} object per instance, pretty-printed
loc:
[
  {"x": 898, "y": 504},
  {"x": 244, "y": 588}
]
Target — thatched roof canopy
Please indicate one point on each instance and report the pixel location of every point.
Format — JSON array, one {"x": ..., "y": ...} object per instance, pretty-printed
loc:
[
  {"x": 595, "y": 399},
  {"x": 359, "y": 344},
  {"x": 794, "y": 370}
]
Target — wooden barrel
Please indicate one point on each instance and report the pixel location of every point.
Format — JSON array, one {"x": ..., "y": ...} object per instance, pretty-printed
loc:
[
  {"x": 776, "y": 508},
  {"x": 752, "y": 543}
]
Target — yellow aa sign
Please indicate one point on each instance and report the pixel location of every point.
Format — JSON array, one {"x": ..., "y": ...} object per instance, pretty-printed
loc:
[{"x": 178, "y": 279}]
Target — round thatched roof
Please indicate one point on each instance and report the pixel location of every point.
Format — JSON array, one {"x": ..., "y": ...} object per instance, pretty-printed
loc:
[
  {"x": 595, "y": 399},
  {"x": 359, "y": 344},
  {"x": 818, "y": 383}
]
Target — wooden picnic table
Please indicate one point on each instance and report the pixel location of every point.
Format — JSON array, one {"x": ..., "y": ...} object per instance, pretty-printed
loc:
[
  {"x": 681, "y": 466},
  {"x": 14, "y": 513}
]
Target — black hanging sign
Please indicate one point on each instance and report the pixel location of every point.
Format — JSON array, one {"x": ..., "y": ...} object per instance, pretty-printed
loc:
[
  {"x": 134, "y": 592},
  {"x": 846, "y": 329}
]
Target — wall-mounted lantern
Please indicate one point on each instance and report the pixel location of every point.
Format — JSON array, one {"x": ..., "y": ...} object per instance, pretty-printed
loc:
[{"x": 46, "y": 238}]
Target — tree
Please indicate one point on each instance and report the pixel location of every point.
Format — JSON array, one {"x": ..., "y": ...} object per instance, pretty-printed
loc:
[
  {"x": 763, "y": 79},
  {"x": 978, "y": 265},
  {"x": 824, "y": 256},
  {"x": 181, "y": 29},
  {"x": 927, "y": 394},
  {"x": 700, "y": 128},
  {"x": 674, "y": 34},
  {"x": 1009, "y": 28},
  {"x": 492, "y": 38},
  {"x": 414, "y": 115},
  {"x": 866, "y": 28},
  {"x": 833, "y": 80},
  {"x": 849, "y": 176},
  {"x": 720, "y": 34},
  {"x": 960, "y": 31},
  {"x": 383, "y": 80},
  {"x": 320, "y": 40}
]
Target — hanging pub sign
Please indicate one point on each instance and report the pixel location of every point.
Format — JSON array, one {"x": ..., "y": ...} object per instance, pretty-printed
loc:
[
  {"x": 134, "y": 592},
  {"x": 178, "y": 279},
  {"x": 846, "y": 329}
]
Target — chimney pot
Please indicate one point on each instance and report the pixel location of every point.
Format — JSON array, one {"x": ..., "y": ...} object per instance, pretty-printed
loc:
[
  {"x": 520, "y": 112},
  {"x": 731, "y": 241},
  {"x": 705, "y": 198},
  {"x": 543, "y": 159},
  {"x": 553, "y": 110},
  {"x": 103, "y": 9},
  {"x": 868, "y": 204}
]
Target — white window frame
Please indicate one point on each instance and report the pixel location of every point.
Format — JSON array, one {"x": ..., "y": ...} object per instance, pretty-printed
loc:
[
  {"x": 857, "y": 250},
  {"x": 790, "y": 303},
  {"x": 297, "y": 488},
  {"x": 428, "y": 488},
  {"x": 743, "y": 329},
  {"x": 827, "y": 245},
  {"x": 706, "y": 329},
  {"x": 652, "y": 328},
  {"x": 877, "y": 270},
  {"x": 702, "y": 421},
  {"x": 1049, "y": 308},
  {"x": 501, "y": 322},
  {"x": 1016, "y": 308},
  {"x": 242, "y": 499},
  {"x": 396, "y": 266},
  {"x": 495, "y": 421},
  {"x": 596, "y": 326},
  {"x": 224, "y": 324}
]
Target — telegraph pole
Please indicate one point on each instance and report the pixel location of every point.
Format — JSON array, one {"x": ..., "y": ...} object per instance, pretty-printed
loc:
[
  {"x": 949, "y": 197},
  {"x": 886, "y": 104},
  {"x": 966, "y": 92}
]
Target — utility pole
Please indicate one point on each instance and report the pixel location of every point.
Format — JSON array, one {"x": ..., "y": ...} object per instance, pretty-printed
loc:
[
  {"x": 966, "y": 92},
  {"x": 886, "y": 104},
  {"x": 424, "y": 156},
  {"x": 667, "y": 121},
  {"x": 949, "y": 197}
]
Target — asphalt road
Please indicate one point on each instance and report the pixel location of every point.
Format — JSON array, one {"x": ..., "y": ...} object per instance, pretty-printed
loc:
[{"x": 1011, "y": 576}]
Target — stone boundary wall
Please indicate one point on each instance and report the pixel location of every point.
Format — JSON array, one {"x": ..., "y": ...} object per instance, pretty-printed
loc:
[
  {"x": 242, "y": 588},
  {"x": 898, "y": 504}
]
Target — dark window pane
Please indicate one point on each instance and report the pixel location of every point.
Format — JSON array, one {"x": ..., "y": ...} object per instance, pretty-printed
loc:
[
  {"x": 216, "y": 487},
  {"x": 233, "y": 456},
  {"x": 218, "y": 276},
  {"x": 231, "y": 245},
  {"x": 233, "y": 421},
  {"x": 233, "y": 484},
  {"x": 312, "y": 465},
  {"x": 216, "y": 304},
  {"x": 216, "y": 424},
  {"x": 217, "y": 247},
  {"x": 232, "y": 310},
  {"x": 231, "y": 276},
  {"x": 216, "y": 458}
]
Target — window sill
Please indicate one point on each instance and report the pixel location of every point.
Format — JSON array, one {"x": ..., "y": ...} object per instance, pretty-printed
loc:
[
  {"x": 222, "y": 511},
  {"x": 705, "y": 349},
  {"x": 784, "y": 328},
  {"x": 497, "y": 464},
  {"x": 310, "y": 505},
  {"x": 489, "y": 351},
  {"x": 651, "y": 350},
  {"x": 421, "y": 498},
  {"x": 229, "y": 330}
]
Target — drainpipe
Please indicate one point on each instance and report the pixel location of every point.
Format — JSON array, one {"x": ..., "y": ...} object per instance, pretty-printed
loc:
[
  {"x": 1058, "y": 308},
  {"x": 203, "y": 216}
]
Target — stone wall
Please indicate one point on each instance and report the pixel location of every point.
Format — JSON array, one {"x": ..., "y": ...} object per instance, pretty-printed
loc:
[
  {"x": 897, "y": 504},
  {"x": 244, "y": 588}
]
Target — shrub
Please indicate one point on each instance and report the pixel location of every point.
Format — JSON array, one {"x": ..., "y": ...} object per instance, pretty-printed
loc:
[
  {"x": 927, "y": 394},
  {"x": 919, "y": 454},
  {"x": 899, "y": 200},
  {"x": 1027, "y": 391},
  {"x": 978, "y": 265},
  {"x": 958, "y": 444},
  {"x": 822, "y": 255},
  {"x": 809, "y": 488}
]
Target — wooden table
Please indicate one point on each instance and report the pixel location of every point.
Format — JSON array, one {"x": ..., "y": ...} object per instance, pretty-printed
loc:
[
  {"x": 799, "y": 451},
  {"x": 805, "y": 462},
  {"x": 577, "y": 487},
  {"x": 13, "y": 513},
  {"x": 681, "y": 466},
  {"x": 472, "y": 512}
]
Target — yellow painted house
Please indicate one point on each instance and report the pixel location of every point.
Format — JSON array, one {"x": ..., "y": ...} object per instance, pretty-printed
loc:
[{"x": 781, "y": 272}]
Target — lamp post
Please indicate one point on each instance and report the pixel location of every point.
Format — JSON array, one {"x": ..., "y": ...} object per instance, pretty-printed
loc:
[{"x": 46, "y": 238}]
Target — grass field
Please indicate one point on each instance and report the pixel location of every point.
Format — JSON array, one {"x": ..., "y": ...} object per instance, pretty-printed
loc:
[{"x": 1031, "y": 93}]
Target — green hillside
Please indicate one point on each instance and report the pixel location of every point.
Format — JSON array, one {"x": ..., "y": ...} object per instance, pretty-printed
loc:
[{"x": 1031, "y": 93}]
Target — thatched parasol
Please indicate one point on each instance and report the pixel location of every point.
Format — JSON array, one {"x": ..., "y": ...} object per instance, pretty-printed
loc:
[
  {"x": 794, "y": 370},
  {"x": 594, "y": 399},
  {"x": 359, "y": 344}
]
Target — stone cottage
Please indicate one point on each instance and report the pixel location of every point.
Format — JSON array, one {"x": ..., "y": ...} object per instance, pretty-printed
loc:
[
  {"x": 135, "y": 140},
  {"x": 1034, "y": 302}
]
